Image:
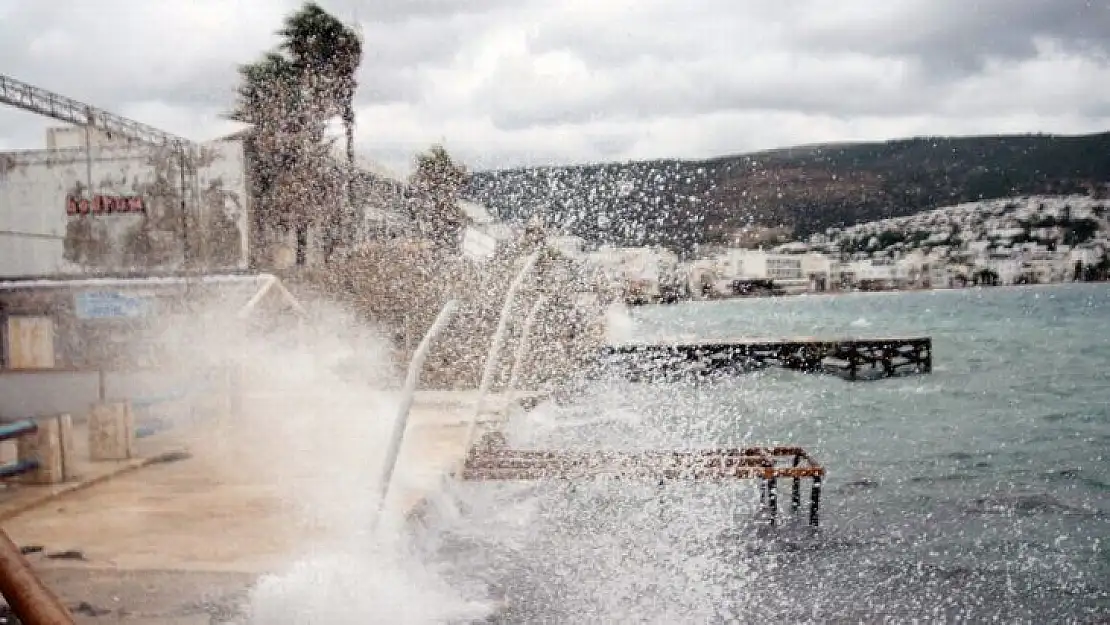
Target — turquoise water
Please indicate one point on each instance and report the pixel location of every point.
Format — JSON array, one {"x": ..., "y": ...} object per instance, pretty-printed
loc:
[{"x": 979, "y": 492}]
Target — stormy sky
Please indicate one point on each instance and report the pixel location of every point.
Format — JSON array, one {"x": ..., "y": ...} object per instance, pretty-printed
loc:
[{"x": 511, "y": 82}]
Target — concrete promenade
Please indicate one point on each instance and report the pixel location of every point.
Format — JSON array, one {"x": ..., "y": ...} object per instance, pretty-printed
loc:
[{"x": 177, "y": 536}]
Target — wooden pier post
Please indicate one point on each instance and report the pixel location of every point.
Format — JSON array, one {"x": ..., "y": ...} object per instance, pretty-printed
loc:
[
  {"x": 772, "y": 501},
  {"x": 111, "y": 431},
  {"x": 815, "y": 502},
  {"x": 850, "y": 358},
  {"x": 887, "y": 360},
  {"x": 796, "y": 490}
]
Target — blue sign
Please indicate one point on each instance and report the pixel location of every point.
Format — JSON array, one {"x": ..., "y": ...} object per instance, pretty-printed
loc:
[{"x": 110, "y": 305}]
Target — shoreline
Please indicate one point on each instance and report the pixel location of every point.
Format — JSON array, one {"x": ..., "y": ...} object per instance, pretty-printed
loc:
[{"x": 874, "y": 292}]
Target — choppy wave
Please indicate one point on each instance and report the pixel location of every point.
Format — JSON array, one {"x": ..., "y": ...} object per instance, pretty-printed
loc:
[{"x": 975, "y": 494}]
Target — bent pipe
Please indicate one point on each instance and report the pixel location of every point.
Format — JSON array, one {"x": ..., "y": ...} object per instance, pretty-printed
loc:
[
  {"x": 31, "y": 601},
  {"x": 522, "y": 351},
  {"x": 498, "y": 342},
  {"x": 416, "y": 365}
]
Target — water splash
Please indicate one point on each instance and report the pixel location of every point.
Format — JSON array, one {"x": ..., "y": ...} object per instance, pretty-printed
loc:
[
  {"x": 619, "y": 325},
  {"x": 356, "y": 587}
]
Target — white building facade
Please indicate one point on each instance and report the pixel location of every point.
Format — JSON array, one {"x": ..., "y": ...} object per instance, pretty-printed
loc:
[{"x": 121, "y": 208}]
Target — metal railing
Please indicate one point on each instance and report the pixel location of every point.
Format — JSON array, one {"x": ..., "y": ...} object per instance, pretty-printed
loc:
[{"x": 47, "y": 103}]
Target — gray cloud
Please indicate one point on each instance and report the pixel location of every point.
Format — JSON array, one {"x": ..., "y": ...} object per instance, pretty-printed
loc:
[
  {"x": 842, "y": 85},
  {"x": 393, "y": 11},
  {"x": 956, "y": 37},
  {"x": 504, "y": 82}
]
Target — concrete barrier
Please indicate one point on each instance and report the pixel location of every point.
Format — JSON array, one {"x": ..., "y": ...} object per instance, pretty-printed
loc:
[
  {"x": 27, "y": 394},
  {"x": 111, "y": 431},
  {"x": 45, "y": 450},
  {"x": 158, "y": 398}
]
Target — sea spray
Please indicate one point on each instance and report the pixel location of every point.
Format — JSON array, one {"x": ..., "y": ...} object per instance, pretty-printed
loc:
[
  {"x": 318, "y": 403},
  {"x": 597, "y": 550},
  {"x": 619, "y": 326},
  {"x": 917, "y": 540},
  {"x": 359, "y": 587}
]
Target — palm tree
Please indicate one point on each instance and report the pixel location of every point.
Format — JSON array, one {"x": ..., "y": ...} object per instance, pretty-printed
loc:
[
  {"x": 287, "y": 147},
  {"x": 326, "y": 53},
  {"x": 288, "y": 97}
]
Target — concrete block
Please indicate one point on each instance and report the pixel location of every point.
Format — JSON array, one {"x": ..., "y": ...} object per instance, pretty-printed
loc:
[
  {"x": 69, "y": 447},
  {"x": 9, "y": 451},
  {"x": 52, "y": 447},
  {"x": 111, "y": 431}
]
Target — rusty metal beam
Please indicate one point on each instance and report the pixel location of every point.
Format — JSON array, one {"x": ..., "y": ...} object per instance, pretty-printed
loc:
[
  {"x": 492, "y": 460},
  {"x": 550, "y": 472},
  {"x": 56, "y": 106},
  {"x": 31, "y": 601},
  {"x": 749, "y": 463}
]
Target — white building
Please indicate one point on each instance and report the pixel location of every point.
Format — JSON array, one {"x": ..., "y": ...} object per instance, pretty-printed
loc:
[
  {"x": 1088, "y": 256},
  {"x": 1009, "y": 270},
  {"x": 701, "y": 275},
  {"x": 117, "y": 207},
  {"x": 642, "y": 267},
  {"x": 868, "y": 272},
  {"x": 744, "y": 264},
  {"x": 818, "y": 270},
  {"x": 939, "y": 274}
]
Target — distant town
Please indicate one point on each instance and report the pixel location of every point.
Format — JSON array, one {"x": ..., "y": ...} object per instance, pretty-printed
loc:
[{"x": 1011, "y": 241}]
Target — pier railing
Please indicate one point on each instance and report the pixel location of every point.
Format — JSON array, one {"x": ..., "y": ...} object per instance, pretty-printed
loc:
[
  {"x": 491, "y": 459},
  {"x": 853, "y": 358}
]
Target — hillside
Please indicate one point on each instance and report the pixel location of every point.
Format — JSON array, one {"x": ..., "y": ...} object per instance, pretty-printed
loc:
[{"x": 679, "y": 203}]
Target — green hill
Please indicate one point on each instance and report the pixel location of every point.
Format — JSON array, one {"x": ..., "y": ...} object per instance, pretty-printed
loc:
[{"x": 679, "y": 203}]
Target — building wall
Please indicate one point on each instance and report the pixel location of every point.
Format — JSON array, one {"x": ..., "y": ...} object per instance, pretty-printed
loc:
[
  {"x": 939, "y": 275},
  {"x": 73, "y": 137},
  {"x": 760, "y": 265},
  {"x": 1008, "y": 270},
  {"x": 39, "y": 238},
  {"x": 816, "y": 265},
  {"x": 123, "y": 338},
  {"x": 784, "y": 267},
  {"x": 380, "y": 211}
]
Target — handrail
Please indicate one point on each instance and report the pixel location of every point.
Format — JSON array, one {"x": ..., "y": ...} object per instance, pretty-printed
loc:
[
  {"x": 416, "y": 365},
  {"x": 498, "y": 342},
  {"x": 522, "y": 350},
  {"x": 30, "y": 599}
]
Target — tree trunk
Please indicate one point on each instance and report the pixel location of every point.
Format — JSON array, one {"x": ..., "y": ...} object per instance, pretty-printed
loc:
[
  {"x": 302, "y": 245},
  {"x": 350, "y": 227}
]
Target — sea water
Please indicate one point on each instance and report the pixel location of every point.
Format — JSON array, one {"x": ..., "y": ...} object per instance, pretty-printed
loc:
[{"x": 978, "y": 492}]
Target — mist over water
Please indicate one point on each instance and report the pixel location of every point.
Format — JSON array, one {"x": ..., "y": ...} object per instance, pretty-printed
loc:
[{"x": 979, "y": 492}]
